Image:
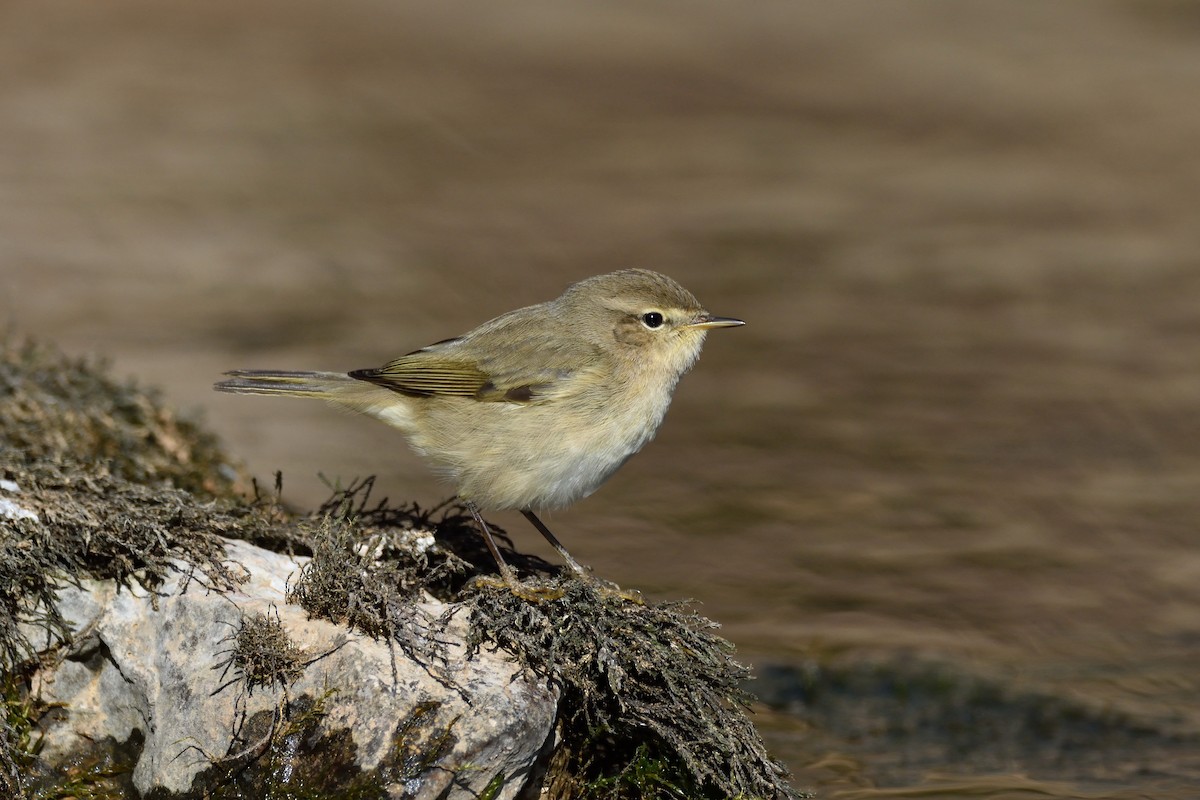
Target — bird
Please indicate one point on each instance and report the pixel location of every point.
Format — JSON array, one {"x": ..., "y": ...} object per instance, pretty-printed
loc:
[{"x": 536, "y": 408}]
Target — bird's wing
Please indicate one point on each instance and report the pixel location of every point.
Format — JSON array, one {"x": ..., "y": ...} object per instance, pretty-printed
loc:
[
  {"x": 524, "y": 369},
  {"x": 426, "y": 373}
]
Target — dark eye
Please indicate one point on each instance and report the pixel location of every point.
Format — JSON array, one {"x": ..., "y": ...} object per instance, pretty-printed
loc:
[{"x": 652, "y": 319}]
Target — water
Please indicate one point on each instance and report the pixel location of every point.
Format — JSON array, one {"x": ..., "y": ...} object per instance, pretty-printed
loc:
[{"x": 942, "y": 488}]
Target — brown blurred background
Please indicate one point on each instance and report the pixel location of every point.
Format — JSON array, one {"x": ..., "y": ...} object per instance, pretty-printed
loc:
[{"x": 960, "y": 426}]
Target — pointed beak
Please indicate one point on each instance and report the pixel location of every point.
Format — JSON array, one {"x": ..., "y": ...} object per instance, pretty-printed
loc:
[{"x": 706, "y": 321}]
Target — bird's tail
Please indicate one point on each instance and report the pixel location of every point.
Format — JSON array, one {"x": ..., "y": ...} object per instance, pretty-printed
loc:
[
  {"x": 338, "y": 388},
  {"x": 325, "y": 385}
]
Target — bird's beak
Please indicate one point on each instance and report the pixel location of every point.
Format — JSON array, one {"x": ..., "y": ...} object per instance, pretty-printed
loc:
[{"x": 706, "y": 321}]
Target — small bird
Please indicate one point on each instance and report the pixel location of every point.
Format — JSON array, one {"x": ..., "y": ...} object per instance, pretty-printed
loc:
[{"x": 536, "y": 408}]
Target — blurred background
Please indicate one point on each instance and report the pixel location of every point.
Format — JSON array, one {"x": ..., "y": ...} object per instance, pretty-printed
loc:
[{"x": 942, "y": 490}]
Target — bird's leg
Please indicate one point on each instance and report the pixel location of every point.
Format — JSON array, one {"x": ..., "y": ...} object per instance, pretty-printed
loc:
[
  {"x": 578, "y": 568},
  {"x": 599, "y": 584},
  {"x": 507, "y": 576},
  {"x": 506, "y": 573}
]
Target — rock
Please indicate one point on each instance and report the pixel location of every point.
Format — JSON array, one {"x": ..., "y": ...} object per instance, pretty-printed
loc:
[
  {"x": 158, "y": 668},
  {"x": 10, "y": 508}
]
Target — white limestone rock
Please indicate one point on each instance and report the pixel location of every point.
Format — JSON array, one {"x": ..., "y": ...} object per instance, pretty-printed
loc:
[{"x": 153, "y": 665}]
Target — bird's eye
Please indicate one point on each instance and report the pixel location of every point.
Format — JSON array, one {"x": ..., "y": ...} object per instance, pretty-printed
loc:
[{"x": 652, "y": 319}]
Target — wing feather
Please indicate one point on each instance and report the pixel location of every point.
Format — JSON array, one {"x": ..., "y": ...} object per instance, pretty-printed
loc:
[{"x": 496, "y": 363}]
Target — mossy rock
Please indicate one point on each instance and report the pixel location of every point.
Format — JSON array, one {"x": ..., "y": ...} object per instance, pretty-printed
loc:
[{"x": 112, "y": 486}]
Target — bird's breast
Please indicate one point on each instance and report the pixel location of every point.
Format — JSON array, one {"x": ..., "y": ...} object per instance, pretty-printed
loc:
[{"x": 551, "y": 454}]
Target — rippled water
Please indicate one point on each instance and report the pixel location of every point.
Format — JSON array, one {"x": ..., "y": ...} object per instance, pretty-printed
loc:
[{"x": 941, "y": 490}]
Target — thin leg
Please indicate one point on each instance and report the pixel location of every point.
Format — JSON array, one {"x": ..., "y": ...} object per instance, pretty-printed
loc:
[
  {"x": 505, "y": 570},
  {"x": 562, "y": 551}
]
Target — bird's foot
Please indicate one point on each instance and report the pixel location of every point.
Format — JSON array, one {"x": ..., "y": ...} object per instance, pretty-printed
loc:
[
  {"x": 609, "y": 589},
  {"x": 540, "y": 592},
  {"x": 531, "y": 592}
]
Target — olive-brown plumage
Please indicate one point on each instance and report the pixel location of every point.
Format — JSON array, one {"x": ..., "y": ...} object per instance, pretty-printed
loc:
[{"x": 536, "y": 408}]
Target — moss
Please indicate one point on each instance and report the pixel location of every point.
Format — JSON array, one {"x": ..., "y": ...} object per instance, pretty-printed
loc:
[
  {"x": 421, "y": 742},
  {"x": 652, "y": 701},
  {"x": 100, "y": 481},
  {"x": 369, "y": 570},
  {"x": 647, "y": 775},
  {"x": 286, "y": 756},
  {"x": 281, "y": 755},
  {"x": 107, "y": 480},
  {"x": 16, "y": 749},
  {"x": 262, "y": 654},
  {"x": 100, "y": 774},
  {"x": 57, "y": 411}
]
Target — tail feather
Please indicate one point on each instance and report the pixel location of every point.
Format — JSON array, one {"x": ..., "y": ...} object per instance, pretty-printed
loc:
[
  {"x": 279, "y": 382},
  {"x": 337, "y": 388}
]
